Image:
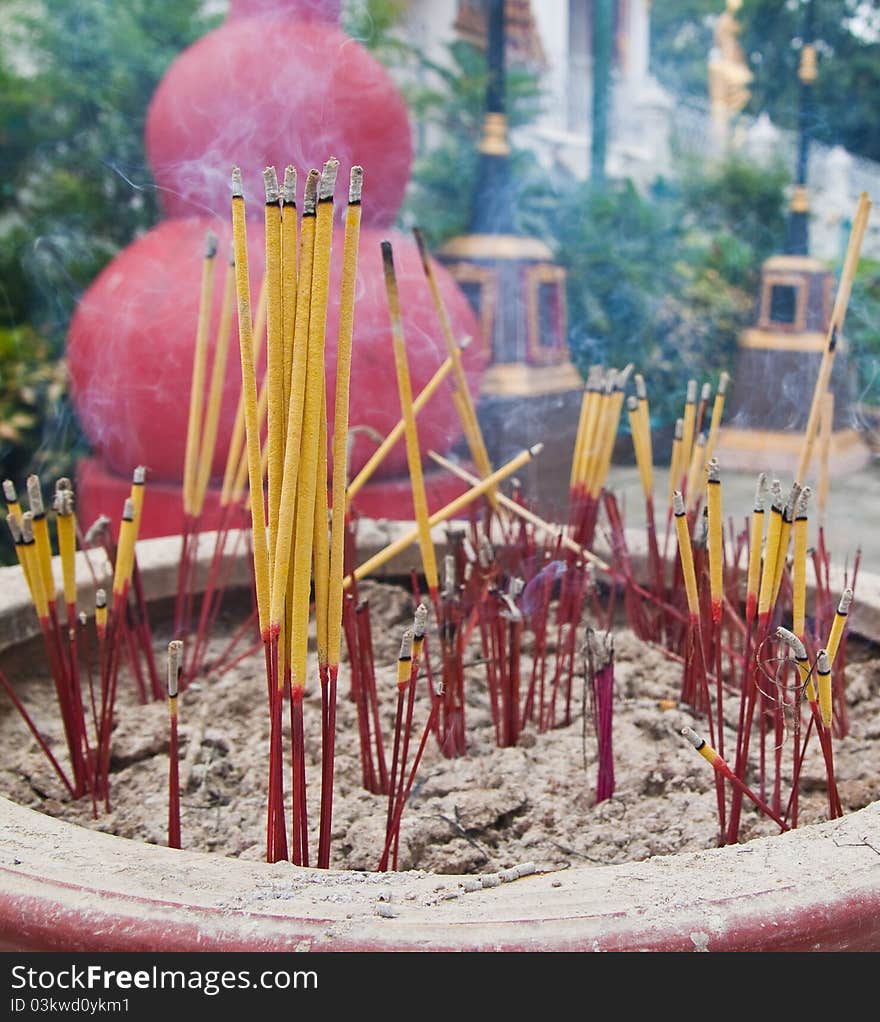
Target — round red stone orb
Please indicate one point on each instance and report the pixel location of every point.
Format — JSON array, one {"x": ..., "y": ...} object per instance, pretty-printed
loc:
[
  {"x": 130, "y": 348},
  {"x": 266, "y": 91}
]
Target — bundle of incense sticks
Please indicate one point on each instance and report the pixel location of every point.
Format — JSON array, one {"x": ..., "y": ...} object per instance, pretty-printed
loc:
[{"x": 86, "y": 706}]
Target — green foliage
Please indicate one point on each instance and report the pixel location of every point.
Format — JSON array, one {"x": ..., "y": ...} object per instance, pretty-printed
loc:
[
  {"x": 847, "y": 34},
  {"x": 448, "y": 104},
  {"x": 75, "y": 80},
  {"x": 649, "y": 284}
]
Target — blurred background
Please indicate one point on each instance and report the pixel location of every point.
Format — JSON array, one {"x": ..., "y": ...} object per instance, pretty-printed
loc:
[{"x": 653, "y": 147}]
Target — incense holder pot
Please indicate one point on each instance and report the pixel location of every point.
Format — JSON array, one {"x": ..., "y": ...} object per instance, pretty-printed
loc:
[{"x": 66, "y": 888}]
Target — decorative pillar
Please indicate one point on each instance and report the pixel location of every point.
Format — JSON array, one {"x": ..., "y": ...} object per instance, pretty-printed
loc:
[{"x": 530, "y": 389}]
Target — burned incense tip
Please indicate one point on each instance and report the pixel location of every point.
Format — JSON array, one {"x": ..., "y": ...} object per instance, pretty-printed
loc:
[
  {"x": 310, "y": 195},
  {"x": 421, "y": 246},
  {"x": 139, "y": 476},
  {"x": 9, "y": 491},
  {"x": 790, "y": 639},
  {"x": 100, "y": 598},
  {"x": 536, "y": 450},
  {"x": 623, "y": 375},
  {"x": 823, "y": 664},
  {"x": 594, "y": 377},
  {"x": 128, "y": 510},
  {"x": 515, "y": 586},
  {"x": 803, "y": 501},
  {"x": 723, "y": 381},
  {"x": 701, "y": 440},
  {"x": 691, "y": 396},
  {"x": 175, "y": 655},
  {"x": 356, "y": 186},
  {"x": 63, "y": 484},
  {"x": 83, "y": 618},
  {"x": 845, "y": 601},
  {"x": 35, "y": 496},
  {"x": 679, "y": 429},
  {"x": 791, "y": 502},
  {"x": 693, "y": 737},
  {"x": 677, "y": 503},
  {"x": 288, "y": 189},
  {"x": 420, "y": 621},
  {"x": 387, "y": 258},
  {"x": 96, "y": 528},
  {"x": 270, "y": 180},
  {"x": 632, "y": 404},
  {"x": 237, "y": 190},
  {"x": 14, "y": 528},
  {"x": 406, "y": 645},
  {"x": 760, "y": 491},
  {"x": 328, "y": 180},
  {"x": 706, "y": 392},
  {"x": 714, "y": 472},
  {"x": 210, "y": 244},
  {"x": 27, "y": 527},
  {"x": 449, "y": 576},
  {"x": 63, "y": 502},
  {"x": 465, "y": 342},
  {"x": 641, "y": 389},
  {"x": 776, "y": 494}
]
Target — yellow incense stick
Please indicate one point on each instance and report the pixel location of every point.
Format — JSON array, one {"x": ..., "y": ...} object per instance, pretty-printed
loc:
[
  {"x": 553, "y": 530},
  {"x": 588, "y": 399},
  {"x": 756, "y": 538},
  {"x": 41, "y": 536},
  {"x": 823, "y": 683},
  {"x": 784, "y": 540},
  {"x": 65, "y": 523},
  {"x": 14, "y": 520},
  {"x": 716, "y": 534},
  {"x": 838, "y": 624},
  {"x": 381, "y": 452},
  {"x": 29, "y": 552},
  {"x": 196, "y": 397},
  {"x": 237, "y": 453},
  {"x": 835, "y": 329},
  {"x": 638, "y": 439},
  {"x": 799, "y": 568},
  {"x": 288, "y": 278},
  {"x": 275, "y": 355},
  {"x": 612, "y": 423},
  {"x": 322, "y": 545},
  {"x": 289, "y": 518},
  {"x": 717, "y": 413},
  {"x": 597, "y": 402},
  {"x": 14, "y": 524},
  {"x": 451, "y": 509},
  {"x": 675, "y": 459},
  {"x": 695, "y": 471},
  {"x": 307, "y": 479},
  {"x": 689, "y": 419},
  {"x": 825, "y": 430},
  {"x": 101, "y": 611},
  {"x": 215, "y": 390},
  {"x": 465, "y": 406},
  {"x": 340, "y": 412},
  {"x": 686, "y": 554},
  {"x": 771, "y": 549},
  {"x": 249, "y": 391},
  {"x": 647, "y": 445},
  {"x": 413, "y": 455},
  {"x": 124, "y": 556},
  {"x": 800, "y": 656}
]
